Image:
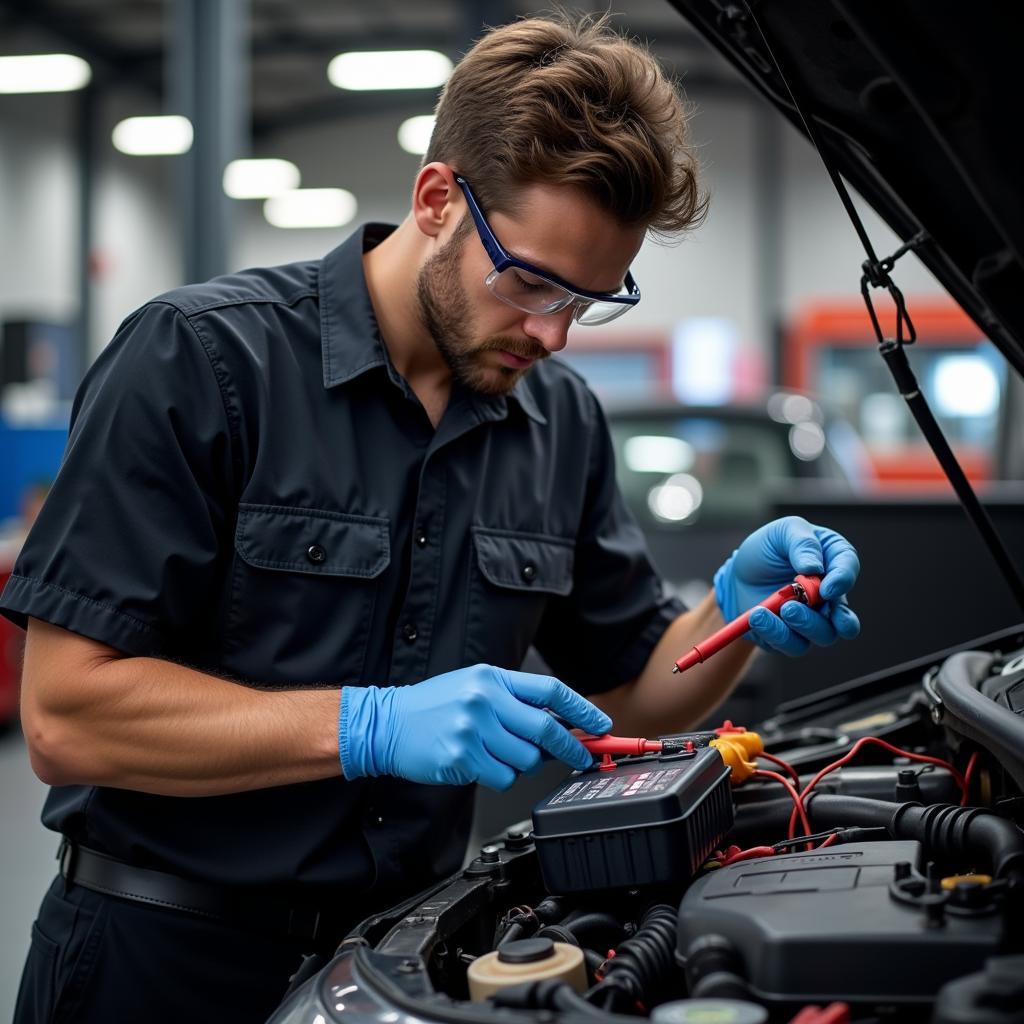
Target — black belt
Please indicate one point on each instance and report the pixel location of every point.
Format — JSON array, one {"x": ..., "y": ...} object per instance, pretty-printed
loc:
[{"x": 104, "y": 874}]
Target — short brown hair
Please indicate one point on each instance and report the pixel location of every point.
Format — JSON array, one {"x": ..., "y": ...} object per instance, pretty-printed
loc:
[{"x": 568, "y": 101}]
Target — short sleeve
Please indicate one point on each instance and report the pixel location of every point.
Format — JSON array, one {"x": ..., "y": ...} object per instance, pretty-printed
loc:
[
  {"x": 602, "y": 634},
  {"x": 130, "y": 537}
]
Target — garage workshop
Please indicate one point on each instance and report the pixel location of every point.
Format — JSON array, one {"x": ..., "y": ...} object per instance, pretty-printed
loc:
[{"x": 511, "y": 514}]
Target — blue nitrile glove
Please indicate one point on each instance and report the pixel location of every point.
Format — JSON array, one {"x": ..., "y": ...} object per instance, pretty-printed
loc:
[
  {"x": 769, "y": 559},
  {"x": 479, "y": 724}
]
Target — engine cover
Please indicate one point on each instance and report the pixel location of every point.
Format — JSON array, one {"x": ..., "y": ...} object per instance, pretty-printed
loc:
[{"x": 824, "y": 926}]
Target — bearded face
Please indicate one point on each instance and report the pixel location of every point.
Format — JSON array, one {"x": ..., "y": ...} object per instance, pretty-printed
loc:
[{"x": 448, "y": 316}]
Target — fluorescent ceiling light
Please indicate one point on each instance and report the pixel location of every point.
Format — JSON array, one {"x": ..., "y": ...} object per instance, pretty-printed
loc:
[
  {"x": 389, "y": 69},
  {"x": 43, "y": 72},
  {"x": 168, "y": 135},
  {"x": 310, "y": 208},
  {"x": 414, "y": 133},
  {"x": 259, "y": 179}
]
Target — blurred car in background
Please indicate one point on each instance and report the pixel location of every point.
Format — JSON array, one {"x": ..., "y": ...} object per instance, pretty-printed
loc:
[{"x": 698, "y": 479}]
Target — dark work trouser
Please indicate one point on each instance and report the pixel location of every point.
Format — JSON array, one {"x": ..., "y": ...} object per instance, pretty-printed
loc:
[{"x": 96, "y": 959}]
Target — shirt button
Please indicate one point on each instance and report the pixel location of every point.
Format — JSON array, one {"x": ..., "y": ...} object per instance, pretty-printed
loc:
[
  {"x": 316, "y": 554},
  {"x": 529, "y": 572},
  {"x": 409, "y": 632},
  {"x": 421, "y": 539}
]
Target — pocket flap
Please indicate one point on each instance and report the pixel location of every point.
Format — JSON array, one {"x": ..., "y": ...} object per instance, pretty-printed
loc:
[
  {"x": 312, "y": 541},
  {"x": 525, "y": 561}
]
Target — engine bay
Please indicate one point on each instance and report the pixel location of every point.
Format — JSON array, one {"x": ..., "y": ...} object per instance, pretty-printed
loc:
[{"x": 856, "y": 858}]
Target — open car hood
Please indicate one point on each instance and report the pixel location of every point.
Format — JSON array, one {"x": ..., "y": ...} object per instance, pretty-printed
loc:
[{"x": 914, "y": 103}]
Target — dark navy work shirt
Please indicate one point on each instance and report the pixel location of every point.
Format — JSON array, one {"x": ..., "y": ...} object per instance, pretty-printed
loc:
[{"x": 250, "y": 488}]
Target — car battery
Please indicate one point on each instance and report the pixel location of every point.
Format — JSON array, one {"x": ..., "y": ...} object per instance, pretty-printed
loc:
[{"x": 646, "y": 821}]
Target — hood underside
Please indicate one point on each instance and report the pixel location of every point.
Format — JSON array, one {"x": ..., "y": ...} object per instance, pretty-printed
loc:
[{"x": 914, "y": 102}]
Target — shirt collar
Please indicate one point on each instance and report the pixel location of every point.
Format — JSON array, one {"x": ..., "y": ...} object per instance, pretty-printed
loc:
[{"x": 349, "y": 334}]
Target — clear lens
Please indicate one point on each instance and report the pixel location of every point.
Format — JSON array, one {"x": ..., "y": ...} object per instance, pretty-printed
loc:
[
  {"x": 534, "y": 294},
  {"x": 599, "y": 312},
  {"x": 527, "y": 292}
]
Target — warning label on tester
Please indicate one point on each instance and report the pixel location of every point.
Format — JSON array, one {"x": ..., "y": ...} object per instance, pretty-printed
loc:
[{"x": 603, "y": 788}]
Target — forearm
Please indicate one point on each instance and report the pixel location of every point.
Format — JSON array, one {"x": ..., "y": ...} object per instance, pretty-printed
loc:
[
  {"x": 660, "y": 701},
  {"x": 158, "y": 727}
]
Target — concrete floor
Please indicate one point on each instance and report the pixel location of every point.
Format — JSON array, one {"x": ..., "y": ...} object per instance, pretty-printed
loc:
[{"x": 27, "y": 864}]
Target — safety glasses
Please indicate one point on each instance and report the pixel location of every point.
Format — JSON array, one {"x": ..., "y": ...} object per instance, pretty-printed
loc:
[{"x": 532, "y": 290}]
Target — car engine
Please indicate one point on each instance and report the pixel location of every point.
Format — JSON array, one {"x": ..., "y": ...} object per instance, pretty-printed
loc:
[{"x": 857, "y": 858}]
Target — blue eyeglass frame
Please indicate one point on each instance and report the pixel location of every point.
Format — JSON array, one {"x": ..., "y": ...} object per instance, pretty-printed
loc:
[{"x": 502, "y": 259}]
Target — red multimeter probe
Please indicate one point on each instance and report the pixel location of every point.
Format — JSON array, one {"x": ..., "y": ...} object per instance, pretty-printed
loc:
[{"x": 803, "y": 589}]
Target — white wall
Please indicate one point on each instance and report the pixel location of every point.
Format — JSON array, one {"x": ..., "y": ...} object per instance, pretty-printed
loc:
[
  {"x": 822, "y": 254},
  {"x": 136, "y": 247},
  {"x": 712, "y": 272},
  {"x": 38, "y": 208},
  {"x": 136, "y": 235}
]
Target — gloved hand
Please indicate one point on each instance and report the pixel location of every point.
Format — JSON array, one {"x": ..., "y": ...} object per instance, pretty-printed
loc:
[
  {"x": 769, "y": 559},
  {"x": 479, "y": 724}
]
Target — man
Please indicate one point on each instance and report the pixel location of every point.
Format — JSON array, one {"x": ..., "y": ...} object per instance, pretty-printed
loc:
[{"x": 311, "y": 518}]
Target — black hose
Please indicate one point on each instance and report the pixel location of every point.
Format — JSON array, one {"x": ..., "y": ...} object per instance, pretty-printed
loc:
[
  {"x": 642, "y": 963},
  {"x": 567, "y": 998},
  {"x": 515, "y": 931},
  {"x": 558, "y": 933},
  {"x": 582, "y": 918},
  {"x": 548, "y": 994},
  {"x": 827, "y": 811},
  {"x": 950, "y": 830},
  {"x": 594, "y": 962},
  {"x": 756, "y": 820},
  {"x": 590, "y": 927},
  {"x": 759, "y": 814},
  {"x": 550, "y": 910},
  {"x": 714, "y": 969},
  {"x": 945, "y": 830}
]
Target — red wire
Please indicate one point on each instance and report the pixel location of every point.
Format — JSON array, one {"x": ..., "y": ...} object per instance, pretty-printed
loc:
[
  {"x": 854, "y": 750},
  {"x": 798, "y": 803},
  {"x": 749, "y": 854},
  {"x": 968, "y": 773},
  {"x": 782, "y": 764},
  {"x": 762, "y": 851}
]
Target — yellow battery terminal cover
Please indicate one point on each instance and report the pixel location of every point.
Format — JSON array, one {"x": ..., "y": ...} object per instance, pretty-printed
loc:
[{"x": 738, "y": 750}]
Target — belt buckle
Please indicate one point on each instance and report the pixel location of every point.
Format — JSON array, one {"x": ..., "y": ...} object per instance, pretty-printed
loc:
[{"x": 305, "y": 923}]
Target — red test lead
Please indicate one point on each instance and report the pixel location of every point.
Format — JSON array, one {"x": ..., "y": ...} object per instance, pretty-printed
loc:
[
  {"x": 803, "y": 589},
  {"x": 634, "y": 745},
  {"x": 608, "y": 744}
]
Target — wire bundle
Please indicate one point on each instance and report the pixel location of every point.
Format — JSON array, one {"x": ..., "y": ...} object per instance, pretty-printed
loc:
[{"x": 733, "y": 854}]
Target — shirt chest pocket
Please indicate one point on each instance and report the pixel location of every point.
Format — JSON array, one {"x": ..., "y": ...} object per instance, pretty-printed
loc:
[
  {"x": 305, "y": 588},
  {"x": 513, "y": 576}
]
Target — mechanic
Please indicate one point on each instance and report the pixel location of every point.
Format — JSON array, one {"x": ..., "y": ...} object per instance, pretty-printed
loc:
[{"x": 310, "y": 519}]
